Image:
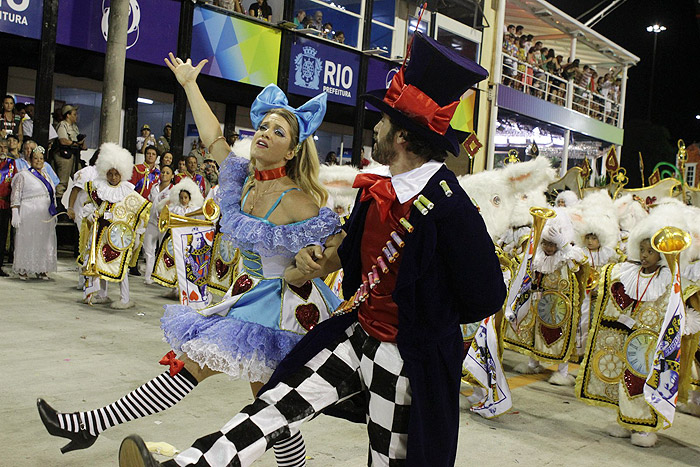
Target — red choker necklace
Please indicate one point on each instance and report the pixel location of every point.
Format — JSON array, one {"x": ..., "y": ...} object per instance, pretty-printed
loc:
[{"x": 271, "y": 174}]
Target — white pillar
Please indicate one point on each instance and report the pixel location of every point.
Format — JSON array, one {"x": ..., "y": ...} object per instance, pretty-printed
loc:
[
  {"x": 497, "y": 71},
  {"x": 565, "y": 155},
  {"x": 623, "y": 97}
]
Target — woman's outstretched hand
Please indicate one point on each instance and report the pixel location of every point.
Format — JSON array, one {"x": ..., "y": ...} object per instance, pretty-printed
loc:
[{"x": 184, "y": 71}]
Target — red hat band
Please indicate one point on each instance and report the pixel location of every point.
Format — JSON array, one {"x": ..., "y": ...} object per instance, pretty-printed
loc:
[{"x": 419, "y": 106}]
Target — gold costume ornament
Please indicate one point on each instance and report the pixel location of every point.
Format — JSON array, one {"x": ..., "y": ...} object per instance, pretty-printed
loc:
[
  {"x": 113, "y": 235},
  {"x": 622, "y": 343},
  {"x": 547, "y": 330}
]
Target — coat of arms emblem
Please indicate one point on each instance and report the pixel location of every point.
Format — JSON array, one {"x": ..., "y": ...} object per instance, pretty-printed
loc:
[{"x": 307, "y": 68}]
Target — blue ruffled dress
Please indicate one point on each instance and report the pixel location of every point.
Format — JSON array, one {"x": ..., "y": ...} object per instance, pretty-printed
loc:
[{"x": 261, "y": 318}]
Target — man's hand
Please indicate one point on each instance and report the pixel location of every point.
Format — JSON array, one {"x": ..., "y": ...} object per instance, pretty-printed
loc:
[
  {"x": 306, "y": 259},
  {"x": 71, "y": 213},
  {"x": 294, "y": 276}
]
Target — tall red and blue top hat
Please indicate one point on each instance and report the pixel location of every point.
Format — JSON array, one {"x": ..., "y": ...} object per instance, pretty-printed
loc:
[{"x": 424, "y": 94}]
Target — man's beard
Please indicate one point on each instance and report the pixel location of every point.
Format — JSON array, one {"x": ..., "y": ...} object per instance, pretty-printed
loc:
[
  {"x": 212, "y": 178},
  {"x": 384, "y": 153}
]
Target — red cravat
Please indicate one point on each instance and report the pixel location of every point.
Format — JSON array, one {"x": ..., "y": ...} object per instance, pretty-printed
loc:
[{"x": 379, "y": 188}]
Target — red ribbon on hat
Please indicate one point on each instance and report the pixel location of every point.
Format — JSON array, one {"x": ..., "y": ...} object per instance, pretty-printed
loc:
[
  {"x": 418, "y": 105},
  {"x": 379, "y": 188},
  {"x": 175, "y": 364}
]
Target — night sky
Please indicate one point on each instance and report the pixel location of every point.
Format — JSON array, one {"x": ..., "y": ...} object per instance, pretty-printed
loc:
[{"x": 676, "y": 93}]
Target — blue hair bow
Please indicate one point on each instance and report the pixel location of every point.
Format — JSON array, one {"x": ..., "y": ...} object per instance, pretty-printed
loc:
[{"x": 309, "y": 115}]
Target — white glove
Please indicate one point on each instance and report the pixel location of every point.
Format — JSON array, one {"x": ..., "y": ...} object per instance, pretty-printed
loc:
[
  {"x": 90, "y": 217},
  {"x": 16, "y": 219}
]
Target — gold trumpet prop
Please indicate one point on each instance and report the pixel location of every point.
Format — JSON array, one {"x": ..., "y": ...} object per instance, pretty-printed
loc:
[
  {"x": 670, "y": 241},
  {"x": 210, "y": 210},
  {"x": 503, "y": 258},
  {"x": 539, "y": 219},
  {"x": 518, "y": 294},
  {"x": 91, "y": 268}
]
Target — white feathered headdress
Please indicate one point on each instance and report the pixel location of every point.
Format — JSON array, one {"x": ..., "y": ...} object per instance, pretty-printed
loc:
[
  {"x": 568, "y": 197},
  {"x": 494, "y": 198},
  {"x": 113, "y": 156},
  {"x": 241, "y": 147},
  {"x": 659, "y": 217},
  {"x": 629, "y": 211},
  {"x": 188, "y": 185},
  {"x": 595, "y": 214},
  {"x": 338, "y": 180},
  {"x": 559, "y": 230},
  {"x": 529, "y": 181}
]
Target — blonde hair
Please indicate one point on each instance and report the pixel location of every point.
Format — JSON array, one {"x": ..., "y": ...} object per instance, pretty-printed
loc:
[{"x": 304, "y": 167}]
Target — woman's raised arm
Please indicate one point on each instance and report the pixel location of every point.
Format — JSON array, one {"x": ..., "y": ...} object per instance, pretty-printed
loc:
[{"x": 207, "y": 123}]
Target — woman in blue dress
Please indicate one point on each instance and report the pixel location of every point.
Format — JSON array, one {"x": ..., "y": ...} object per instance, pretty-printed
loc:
[{"x": 270, "y": 210}]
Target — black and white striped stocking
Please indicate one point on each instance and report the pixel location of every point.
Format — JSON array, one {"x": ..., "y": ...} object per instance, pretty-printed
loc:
[
  {"x": 291, "y": 452},
  {"x": 155, "y": 396}
]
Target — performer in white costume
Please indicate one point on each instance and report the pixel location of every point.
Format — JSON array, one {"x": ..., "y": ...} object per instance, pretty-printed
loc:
[
  {"x": 74, "y": 200},
  {"x": 548, "y": 332},
  {"x": 597, "y": 234},
  {"x": 117, "y": 215},
  {"x": 158, "y": 196},
  {"x": 632, "y": 301}
]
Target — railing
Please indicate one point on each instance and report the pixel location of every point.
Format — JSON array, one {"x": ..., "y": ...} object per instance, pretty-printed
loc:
[{"x": 543, "y": 85}]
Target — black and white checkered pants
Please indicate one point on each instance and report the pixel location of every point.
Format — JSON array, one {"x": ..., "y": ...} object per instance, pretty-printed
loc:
[{"x": 355, "y": 363}]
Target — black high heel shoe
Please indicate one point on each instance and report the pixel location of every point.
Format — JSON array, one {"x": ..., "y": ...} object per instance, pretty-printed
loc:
[{"x": 80, "y": 440}]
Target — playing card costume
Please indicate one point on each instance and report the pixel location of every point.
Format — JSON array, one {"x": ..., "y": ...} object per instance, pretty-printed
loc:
[
  {"x": 190, "y": 246},
  {"x": 119, "y": 215},
  {"x": 224, "y": 257},
  {"x": 417, "y": 262},
  {"x": 629, "y": 316},
  {"x": 153, "y": 236},
  {"x": 548, "y": 330}
]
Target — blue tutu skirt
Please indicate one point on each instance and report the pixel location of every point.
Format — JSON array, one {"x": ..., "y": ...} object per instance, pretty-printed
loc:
[{"x": 246, "y": 335}]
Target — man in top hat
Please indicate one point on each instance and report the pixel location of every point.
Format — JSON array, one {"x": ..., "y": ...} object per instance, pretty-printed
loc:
[
  {"x": 417, "y": 262},
  {"x": 146, "y": 139}
]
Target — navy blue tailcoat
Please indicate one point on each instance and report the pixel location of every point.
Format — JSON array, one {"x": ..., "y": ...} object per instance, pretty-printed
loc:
[{"x": 449, "y": 274}]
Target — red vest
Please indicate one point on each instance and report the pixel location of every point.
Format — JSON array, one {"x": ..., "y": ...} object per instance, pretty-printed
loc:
[{"x": 378, "y": 314}]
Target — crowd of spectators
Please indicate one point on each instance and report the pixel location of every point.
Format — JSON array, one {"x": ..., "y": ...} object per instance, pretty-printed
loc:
[
  {"x": 303, "y": 20},
  {"x": 62, "y": 159},
  {"x": 258, "y": 9},
  {"x": 538, "y": 70}
]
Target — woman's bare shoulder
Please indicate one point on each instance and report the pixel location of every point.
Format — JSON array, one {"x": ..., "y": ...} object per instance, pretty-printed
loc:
[{"x": 299, "y": 206}]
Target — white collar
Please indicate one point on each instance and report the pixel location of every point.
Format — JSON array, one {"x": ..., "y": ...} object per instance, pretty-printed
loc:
[
  {"x": 634, "y": 281},
  {"x": 110, "y": 193},
  {"x": 408, "y": 184}
]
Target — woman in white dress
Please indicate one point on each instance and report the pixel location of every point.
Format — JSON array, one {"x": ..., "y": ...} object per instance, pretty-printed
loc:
[{"x": 33, "y": 204}]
